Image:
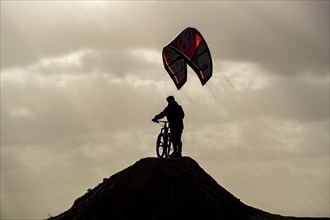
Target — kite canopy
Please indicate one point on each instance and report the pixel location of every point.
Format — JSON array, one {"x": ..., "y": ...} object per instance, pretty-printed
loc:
[{"x": 189, "y": 47}]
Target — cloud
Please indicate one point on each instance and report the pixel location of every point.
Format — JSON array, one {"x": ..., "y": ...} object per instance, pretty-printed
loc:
[
  {"x": 269, "y": 35},
  {"x": 293, "y": 98},
  {"x": 266, "y": 34}
]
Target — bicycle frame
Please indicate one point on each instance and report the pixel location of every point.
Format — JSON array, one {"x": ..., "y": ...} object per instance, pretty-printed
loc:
[
  {"x": 163, "y": 144},
  {"x": 165, "y": 130}
]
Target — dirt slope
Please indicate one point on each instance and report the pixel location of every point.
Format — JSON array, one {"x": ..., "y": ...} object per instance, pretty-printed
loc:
[{"x": 155, "y": 188}]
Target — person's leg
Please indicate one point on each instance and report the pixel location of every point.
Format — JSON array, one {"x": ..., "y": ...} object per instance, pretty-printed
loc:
[
  {"x": 179, "y": 143},
  {"x": 176, "y": 141}
]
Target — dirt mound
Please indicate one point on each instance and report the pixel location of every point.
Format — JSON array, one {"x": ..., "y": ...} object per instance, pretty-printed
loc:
[{"x": 155, "y": 188}]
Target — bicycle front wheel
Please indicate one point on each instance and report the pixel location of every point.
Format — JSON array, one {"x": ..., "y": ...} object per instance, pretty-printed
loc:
[{"x": 161, "y": 145}]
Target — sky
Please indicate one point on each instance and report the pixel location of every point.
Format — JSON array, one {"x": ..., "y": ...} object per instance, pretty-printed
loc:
[{"x": 81, "y": 81}]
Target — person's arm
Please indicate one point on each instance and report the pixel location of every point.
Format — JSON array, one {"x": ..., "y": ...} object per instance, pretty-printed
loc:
[{"x": 161, "y": 115}]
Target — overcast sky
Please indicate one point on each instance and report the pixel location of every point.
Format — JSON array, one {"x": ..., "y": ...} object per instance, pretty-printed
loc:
[{"x": 80, "y": 82}]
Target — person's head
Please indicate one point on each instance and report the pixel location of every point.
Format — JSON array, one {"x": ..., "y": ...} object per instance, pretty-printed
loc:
[{"x": 170, "y": 99}]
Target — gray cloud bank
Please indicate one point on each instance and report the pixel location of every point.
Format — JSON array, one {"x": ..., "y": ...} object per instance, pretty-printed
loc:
[{"x": 280, "y": 36}]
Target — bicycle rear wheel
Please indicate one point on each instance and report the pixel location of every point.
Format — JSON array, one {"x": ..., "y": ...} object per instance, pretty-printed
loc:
[
  {"x": 169, "y": 148},
  {"x": 161, "y": 146}
]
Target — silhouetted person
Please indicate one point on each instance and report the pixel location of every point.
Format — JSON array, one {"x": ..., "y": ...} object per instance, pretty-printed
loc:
[{"x": 174, "y": 114}]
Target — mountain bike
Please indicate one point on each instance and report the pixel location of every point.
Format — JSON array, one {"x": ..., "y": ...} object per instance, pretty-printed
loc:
[{"x": 163, "y": 144}]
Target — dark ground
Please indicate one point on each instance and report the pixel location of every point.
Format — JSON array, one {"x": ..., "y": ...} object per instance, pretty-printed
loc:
[{"x": 155, "y": 188}]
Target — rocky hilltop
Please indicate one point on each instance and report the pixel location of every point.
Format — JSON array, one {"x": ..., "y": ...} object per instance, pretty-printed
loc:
[{"x": 158, "y": 188}]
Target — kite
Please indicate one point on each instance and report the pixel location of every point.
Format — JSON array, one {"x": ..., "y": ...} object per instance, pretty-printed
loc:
[{"x": 189, "y": 47}]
